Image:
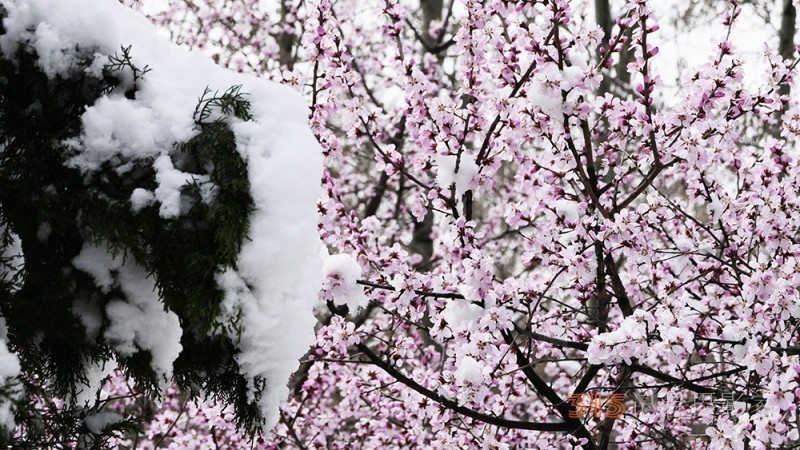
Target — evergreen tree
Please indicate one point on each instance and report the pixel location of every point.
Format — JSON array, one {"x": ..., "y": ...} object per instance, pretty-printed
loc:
[{"x": 58, "y": 221}]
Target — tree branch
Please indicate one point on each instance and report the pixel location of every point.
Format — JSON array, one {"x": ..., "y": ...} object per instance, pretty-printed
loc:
[{"x": 450, "y": 404}]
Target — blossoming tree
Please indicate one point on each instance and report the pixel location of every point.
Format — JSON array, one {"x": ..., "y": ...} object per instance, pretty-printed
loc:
[
  {"x": 548, "y": 247},
  {"x": 557, "y": 250}
]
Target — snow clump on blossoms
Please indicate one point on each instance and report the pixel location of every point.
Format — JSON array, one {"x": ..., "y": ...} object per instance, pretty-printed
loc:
[
  {"x": 627, "y": 342},
  {"x": 341, "y": 273},
  {"x": 458, "y": 171}
]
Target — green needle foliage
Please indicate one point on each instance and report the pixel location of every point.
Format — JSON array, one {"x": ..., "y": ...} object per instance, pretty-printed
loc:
[{"x": 55, "y": 209}]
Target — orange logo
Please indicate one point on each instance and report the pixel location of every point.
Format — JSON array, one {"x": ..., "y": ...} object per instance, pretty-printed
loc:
[{"x": 596, "y": 405}]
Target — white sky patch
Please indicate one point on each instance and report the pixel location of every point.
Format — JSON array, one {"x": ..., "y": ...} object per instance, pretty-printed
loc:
[
  {"x": 97, "y": 422},
  {"x": 9, "y": 373},
  {"x": 13, "y": 259},
  {"x": 682, "y": 51}
]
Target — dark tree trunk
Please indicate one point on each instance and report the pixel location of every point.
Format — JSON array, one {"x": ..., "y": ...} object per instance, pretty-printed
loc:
[{"x": 602, "y": 12}]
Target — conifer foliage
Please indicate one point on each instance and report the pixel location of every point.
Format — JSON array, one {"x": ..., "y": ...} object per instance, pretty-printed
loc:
[{"x": 113, "y": 251}]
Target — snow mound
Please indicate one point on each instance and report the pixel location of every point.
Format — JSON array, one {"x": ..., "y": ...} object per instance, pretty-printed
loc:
[
  {"x": 455, "y": 171},
  {"x": 341, "y": 274},
  {"x": 278, "y": 271}
]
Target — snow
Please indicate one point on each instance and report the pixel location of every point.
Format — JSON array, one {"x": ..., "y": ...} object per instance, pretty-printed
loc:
[
  {"x": 447, "y": 175},
  {"x": 170, "y": 181},
  {"x": 568, "y": 210},
  {"x": 99, "y": 263},
  {"x": 576, "y": 59},
  {"x": 545, "y": 91},
  {"x": 572, "y": 75},
  {"x": 89, "y": 315},
  {"x": 141, "y": 198},
  {"x": 44, "y": 231},
  {"x": 281, "y": 260},
  {"x": 139, "y": 322},
  {"x": 469, "y": 371},
  {"x": 341, "y": 273},
  {"x": 86, "y": 395},
  {"x": 279, "y": 269},
  {"x": 49, "y": 48},
  {"x": 117, "y": 126},
  {"x": 460, "y": 312},
  {"x": 629, "y": 341}
]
